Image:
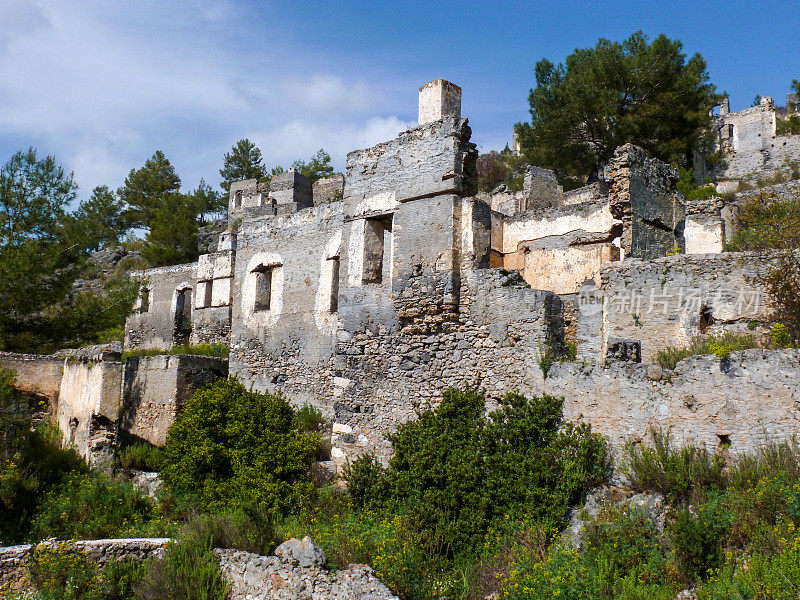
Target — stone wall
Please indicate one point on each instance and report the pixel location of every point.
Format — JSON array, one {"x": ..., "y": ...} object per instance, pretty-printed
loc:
[
  {"x": 328, "y": 189},
  {"x": 36, "y": 375},
  {"x": 293, "y": 339},
  {"x": 643, "y": 195},
  {"x": 89, "y": 402},
  {"x": 14, "y": 559},
  {"x": 156, "y": 389},
  {"x": 154, "y": 322},
  {"x": 748, "y": 400},
  {"x": 667, "y": 301}
]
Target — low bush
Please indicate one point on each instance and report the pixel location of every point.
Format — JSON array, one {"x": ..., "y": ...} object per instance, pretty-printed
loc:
[
  {"x": 247, "y": 531},
  {"x": 218, "y": 350},
  {"x": 140, "y": 456},
  {"x": 759, "y": 575},
  {"x": 697, "y": 539},
  {"x": 231, "y": 447},
  {"x": 677, "y": 473},
  {"x": 456, "y": 471},
  {"x": 63, "y": 573},
  {"x": 189, "y": 570},
  {"x": 91, "y": 506},
  {"x": 621, "y": 544},
  {"x": 719, "y": 345}
]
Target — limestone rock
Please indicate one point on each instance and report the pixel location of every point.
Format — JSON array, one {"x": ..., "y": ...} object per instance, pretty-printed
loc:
[{"x": 304, "y": 553}]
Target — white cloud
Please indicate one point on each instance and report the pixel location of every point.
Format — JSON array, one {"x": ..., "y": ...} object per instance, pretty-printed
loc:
[{"x": 102, "y": 86}]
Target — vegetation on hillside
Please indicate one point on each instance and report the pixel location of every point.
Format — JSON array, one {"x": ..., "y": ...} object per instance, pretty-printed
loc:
[
  {"x": 731, "y": 529},
  {"x": 770, "y": 225},
  {"x": 635, "y": 91}
]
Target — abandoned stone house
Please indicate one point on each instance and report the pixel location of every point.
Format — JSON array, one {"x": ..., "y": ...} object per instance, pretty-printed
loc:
[
  {"x": 367, "y": 294},
  {"x": 749, "y": 143},
  {"x": 370, "y": 292}
]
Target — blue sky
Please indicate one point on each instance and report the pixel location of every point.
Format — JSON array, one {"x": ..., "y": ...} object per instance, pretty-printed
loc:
[{"x": 103, "y": 84}]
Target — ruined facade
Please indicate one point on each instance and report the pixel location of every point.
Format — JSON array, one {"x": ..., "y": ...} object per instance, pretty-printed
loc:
[
  {"x": 369, "y": 293},
  {"x": 749, "y": 143}
]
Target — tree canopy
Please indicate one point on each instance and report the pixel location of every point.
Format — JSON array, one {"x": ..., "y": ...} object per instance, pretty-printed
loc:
[
  {"x": 43, "y": 250},
  {"x": 603, "y": 97},
  {"x": 145, "y": 188},
  {"x": 316, "y": 168},
  {"x": 244, "y": 161}
]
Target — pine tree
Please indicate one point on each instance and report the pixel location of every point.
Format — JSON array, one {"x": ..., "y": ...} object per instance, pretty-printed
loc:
[
  {"x": 242, "y": 162},
  {"x": 145, "y": 189}
]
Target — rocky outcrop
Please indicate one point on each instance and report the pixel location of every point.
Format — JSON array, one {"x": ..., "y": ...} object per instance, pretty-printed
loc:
[{"x": 297, "y": 571}]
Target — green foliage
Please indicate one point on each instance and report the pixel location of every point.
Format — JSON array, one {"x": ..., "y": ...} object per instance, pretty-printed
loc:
[
  {"x": 140, "y": 456},
  {"x": 678, "y": 473},
  {"x": 456, "y": 472},
  {"x": 33, "y": 195},
  {"x": 688, "y": 187},
  {"x": 31, "y": 462},
  {"x": 233, "y": 447},
  {"x": 90, "y": 507},
  {"x": 309, "y": 418},
  {"x": 208, "y": 201},
  {"x": 317, "y": 167},
  {"x": 771, "y": 225},
  {"x": 218, "y": 349},
  {"x": 242, "y": 162},
  {"x": 101, "y": 219},
  {"x": 43, "y": 251},
  {"x": 63, "y": 573},
  {"x": 780, "y": 336},
  {"x": 622, "y": 545},
  {"x": 603, "y": 97},
  {"x": 697, "y": 539},
  {"x": 146, "y": 189},
  {"x": 495, "y": 168},
  {"x": 720, "y": 345},
  {"x": 189, "y": 570},
  {"x": 119, "y": 577},
  {"x": 759, "y": 576},
  {"x": 172, "y": 238}
]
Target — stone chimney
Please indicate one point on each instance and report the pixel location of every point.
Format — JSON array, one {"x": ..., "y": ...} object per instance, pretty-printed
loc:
[{"x": 439, "y": 99}]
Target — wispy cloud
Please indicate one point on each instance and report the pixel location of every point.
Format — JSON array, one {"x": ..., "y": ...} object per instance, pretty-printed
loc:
[{"x": 102, "y": 86}]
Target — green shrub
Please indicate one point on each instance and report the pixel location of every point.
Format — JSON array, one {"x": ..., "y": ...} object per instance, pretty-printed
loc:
[
  {"x": 90, "y": 506},
  {"x": 218, "y": 350},
  {"x": 189, "y": 570},
  {"x": 234, "y": 448},
  {"x": 719, "y": 345},
  {"x": 31, "y": 462},
  {"x": 758, "y": 576},
  {"x": 780, "y": 336},
  {"x": 456, "y": 471},
  {"x": 697, "y": 540},
  {"x": 249, "y": 531},
  {"x": 675, "y": 472},
  {"x": 140, "y": 456},
  {"x": 119, "y": 577},
  {"x": 621, "y": 543},
  {"x": 63, "y": 573},
  {"x": 771, "y": 461},
  {"x": 309, "y": 418}
]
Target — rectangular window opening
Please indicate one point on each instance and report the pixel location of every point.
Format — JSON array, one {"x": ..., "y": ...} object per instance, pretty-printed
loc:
[
  {"x": 208, "y": 295},
  {"x": 377, "y": 246},
  {"x": 730, "y": 130},
  {"x": 263, "y": 289},
  {"x": 144, "y": 301},
  {"x": 334, "y": 305}
]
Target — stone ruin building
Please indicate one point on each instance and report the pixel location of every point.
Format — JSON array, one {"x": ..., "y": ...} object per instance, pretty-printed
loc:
[
  {"x": 748, "y": 141},
  {"x": 369, "y": 293}
]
